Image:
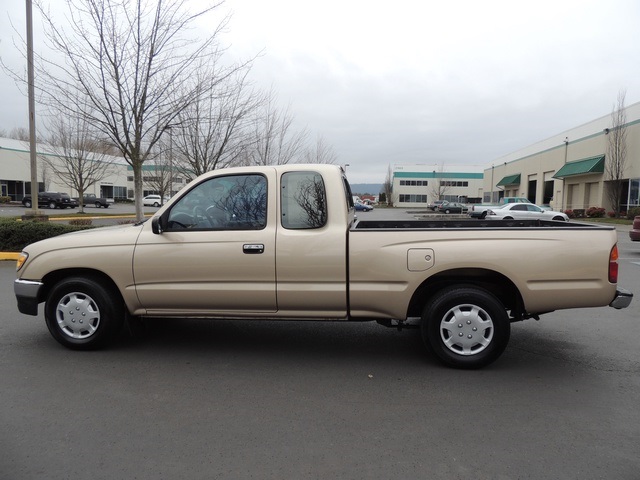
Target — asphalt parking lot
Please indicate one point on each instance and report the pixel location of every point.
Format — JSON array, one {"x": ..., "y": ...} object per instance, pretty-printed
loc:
[{"x": 275, "y": 400}]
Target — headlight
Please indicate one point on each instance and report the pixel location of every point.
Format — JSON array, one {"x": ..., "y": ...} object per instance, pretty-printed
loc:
[{"x": 21, "y": 259}]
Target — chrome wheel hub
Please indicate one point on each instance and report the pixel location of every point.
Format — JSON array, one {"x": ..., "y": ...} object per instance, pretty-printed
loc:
[
  {"x": 77, "y": 315},
  {"x": 466, "y": 329}
]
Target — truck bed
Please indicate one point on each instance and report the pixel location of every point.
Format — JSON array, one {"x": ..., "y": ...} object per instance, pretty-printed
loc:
[{"x": 473, "y": 224}]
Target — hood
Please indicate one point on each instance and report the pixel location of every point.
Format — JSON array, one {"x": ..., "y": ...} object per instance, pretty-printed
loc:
[{"x": 92, "y": 237}]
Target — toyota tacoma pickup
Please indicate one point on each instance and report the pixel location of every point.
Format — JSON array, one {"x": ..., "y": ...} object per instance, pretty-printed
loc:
[{"x": 283, "y": 242}]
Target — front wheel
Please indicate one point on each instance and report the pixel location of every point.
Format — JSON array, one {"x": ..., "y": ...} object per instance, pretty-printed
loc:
[
  {"x": 465, "y": 327},
  {"x": 52, "y": 205},
  {"x": 82, "y": 314},
  {"x": 27, "y": 203},
  {"x": 97, "y": 205}
]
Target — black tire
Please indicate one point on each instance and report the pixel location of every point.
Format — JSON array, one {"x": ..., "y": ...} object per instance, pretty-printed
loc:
[
  {"x": 483, "y": 215},
  {"x": 156, "y": 204},
  {"x": 27, "y": 203},
  {"x": 558, "y": 218},
  {"x": 97, "y": 205},
  {"x": 508, "y": 218},
  {"x": 52, "y": 205},
  {"x": 465, "y": 327},
  {"x": 82, "y": 314}
]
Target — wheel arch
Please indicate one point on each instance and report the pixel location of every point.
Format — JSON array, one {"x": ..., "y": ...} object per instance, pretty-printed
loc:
[
  {"x": 52, "y": 278},
  {"x": 494, "y": 282}
]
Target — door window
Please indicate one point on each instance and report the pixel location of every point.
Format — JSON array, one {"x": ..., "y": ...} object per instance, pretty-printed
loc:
[
  {"x": 304, "y": 201},
  {"x": 234, "y": 202}
]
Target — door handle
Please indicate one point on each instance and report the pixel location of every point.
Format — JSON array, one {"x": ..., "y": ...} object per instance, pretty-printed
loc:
[{"x": 253, "y": 248}]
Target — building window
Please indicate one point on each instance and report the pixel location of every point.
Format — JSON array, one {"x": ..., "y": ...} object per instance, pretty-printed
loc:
[
  {"x": 414, "y": 183},
  {"x": 119, "y": 193},
  {"x": 451, "y": 183},
  {"x": 404, "y": 198}
]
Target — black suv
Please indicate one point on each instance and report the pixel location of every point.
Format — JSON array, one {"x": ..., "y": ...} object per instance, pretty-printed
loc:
[{"x": 51, "y": 200}]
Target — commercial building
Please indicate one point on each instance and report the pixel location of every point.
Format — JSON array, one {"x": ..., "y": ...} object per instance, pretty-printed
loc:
[
  {"x": 117, "y": 184},
  {"x": 568, "y": 171},
  {"x": 419, "y": 185}
]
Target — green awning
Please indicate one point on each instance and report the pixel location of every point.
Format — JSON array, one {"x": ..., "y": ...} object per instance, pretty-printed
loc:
[
  {"x": 509, "y": 180},
  {"x": 582, "y": 167}
]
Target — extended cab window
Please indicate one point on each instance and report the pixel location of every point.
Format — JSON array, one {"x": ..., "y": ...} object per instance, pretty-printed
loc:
[
  {"x": 303, "y": 199},
  {"x": 234, "y": 202}
]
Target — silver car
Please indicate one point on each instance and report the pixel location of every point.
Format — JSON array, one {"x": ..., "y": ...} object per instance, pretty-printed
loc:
[{"x": 524, "y": 211}]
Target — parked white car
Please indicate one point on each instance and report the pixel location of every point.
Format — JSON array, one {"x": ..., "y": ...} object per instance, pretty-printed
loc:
[
  {"x": 153, "y": 201},
  {"x": 524, "y": 211}
]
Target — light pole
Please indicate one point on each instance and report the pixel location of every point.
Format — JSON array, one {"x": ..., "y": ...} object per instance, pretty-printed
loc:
[
  {"x": 33, "y": 212},
  {"x": 491, "y": 199}
]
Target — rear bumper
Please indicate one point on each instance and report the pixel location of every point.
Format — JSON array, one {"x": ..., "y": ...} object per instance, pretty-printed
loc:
[{"x": 622, "y": 299}]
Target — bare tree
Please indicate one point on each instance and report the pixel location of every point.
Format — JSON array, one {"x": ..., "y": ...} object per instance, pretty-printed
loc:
[
  {"x": 18, "y": 133},
  {"x": 275, "y": 142},
  {"x": 77, "y": 160},
  {"x": 135, "y": 63},
  {"x": 387, "y": 186},
  {"x": 214, "y": 131},
  {"x": 311, "y": 198},
  {"x": 322, "y": 152},
  {"x": 159, "y": 176},
  {"x": 616, "y": 154},
  {"x": 439, "y": 187}
]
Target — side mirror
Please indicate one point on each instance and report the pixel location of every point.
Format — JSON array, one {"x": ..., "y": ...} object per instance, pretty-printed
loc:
[{"x": 157, "y": 225}]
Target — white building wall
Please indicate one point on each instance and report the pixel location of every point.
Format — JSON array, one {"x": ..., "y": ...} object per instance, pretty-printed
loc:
[
  {"x": 419, "y": 185},
  {"x": 542, "y": 160},
  {"x": 15, "y": 172}
]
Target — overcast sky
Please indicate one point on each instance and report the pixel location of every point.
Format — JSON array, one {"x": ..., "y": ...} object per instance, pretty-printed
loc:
[{"x": 453, "y": 83}]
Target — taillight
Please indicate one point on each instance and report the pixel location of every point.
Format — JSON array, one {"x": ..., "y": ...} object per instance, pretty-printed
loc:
[{"x": 613, "y": 265}]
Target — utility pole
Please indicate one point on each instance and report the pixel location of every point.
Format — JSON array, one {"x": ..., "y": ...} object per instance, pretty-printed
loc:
[{"x": 33, "y": 212}]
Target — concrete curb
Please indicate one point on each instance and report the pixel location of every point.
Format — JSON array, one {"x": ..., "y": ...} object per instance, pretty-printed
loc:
[{"x": 9, "y": 256}]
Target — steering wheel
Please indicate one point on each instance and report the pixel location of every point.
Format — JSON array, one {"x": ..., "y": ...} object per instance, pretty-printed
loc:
[{"x": 200, "y": 212}]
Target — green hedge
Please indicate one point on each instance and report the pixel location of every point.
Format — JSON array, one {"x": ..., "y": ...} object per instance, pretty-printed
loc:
[{"x": 14, "y": 235}]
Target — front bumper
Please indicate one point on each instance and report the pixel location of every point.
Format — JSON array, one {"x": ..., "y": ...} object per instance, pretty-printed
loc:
[
  {"x": 28, "y": 294},
  {"x": 622, "y": 299}
]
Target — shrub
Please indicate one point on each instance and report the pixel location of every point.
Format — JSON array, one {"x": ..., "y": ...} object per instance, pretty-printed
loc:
[
  {"x": 570, "y": 214},
  {"x": 595, "y": 212},
  {"x": 633, "y": 212},
  {"x": 611, "y": 214},
  {"x": 5, "y": 199},
  {"x": 14, "y": 235}
]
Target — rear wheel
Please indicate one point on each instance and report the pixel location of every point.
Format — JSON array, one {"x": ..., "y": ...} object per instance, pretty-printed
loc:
[
  {"x": 558, "y": 218},
  {"x": 82, "y": 314},
  {"x": 465, "y": 327},
  {"x": 97, "y": 205},
  {"x": 27, "y": 203},
  {"x": 52, "y": 205}
]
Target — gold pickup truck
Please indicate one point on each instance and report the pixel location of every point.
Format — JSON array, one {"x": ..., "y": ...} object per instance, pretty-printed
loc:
[{"x": 283, "y": 242}]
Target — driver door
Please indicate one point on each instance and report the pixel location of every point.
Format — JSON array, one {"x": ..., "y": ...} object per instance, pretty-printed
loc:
[{"x": 216, "y": 255}]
